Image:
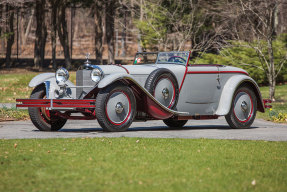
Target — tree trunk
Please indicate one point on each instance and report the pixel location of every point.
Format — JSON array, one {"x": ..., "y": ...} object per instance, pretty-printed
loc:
[
  {"x": 1, "y": 28},
  {"x": 272, "y": 75},
  {"x": 139, "y": 33},
  {"x": 1, "y": 39},
  {"x": 10, "y": 32},
  {"x": 271, "y": 37},
  {"x": 54, "y": 32},
  {"x": 28, "y": 27},
  {"x": 110, "y": 22},
  {"x": 124, "y": 34},
  {"x": 41, "y": 35},
  {"x": 272, "y": 85},
  {"x": 99, "y": 31},
  {"x": 63, "y": 34}
]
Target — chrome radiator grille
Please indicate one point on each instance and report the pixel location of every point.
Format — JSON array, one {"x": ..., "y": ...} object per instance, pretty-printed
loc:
[{"x": 83, "y": 78}]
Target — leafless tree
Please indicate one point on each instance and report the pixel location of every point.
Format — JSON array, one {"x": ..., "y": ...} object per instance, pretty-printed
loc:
[
  {"x": 8, "y": 8},
  {"x": 110, "y": 7},
  {"x": 98, "y": 7},
  {"x": 10, "y": 33},
  {"x": 184, "y": 22},
  {"x": 41, "y": 34},
  {"x": 63, "y": 32},
  {"x": 54, "y": 10},
  {"x": 255, "y": 22}
]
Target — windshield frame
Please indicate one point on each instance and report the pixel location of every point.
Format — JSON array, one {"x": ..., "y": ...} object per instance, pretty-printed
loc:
[
  {"x": 162, "y": 63},
  {"x": 173, "y": 63}
]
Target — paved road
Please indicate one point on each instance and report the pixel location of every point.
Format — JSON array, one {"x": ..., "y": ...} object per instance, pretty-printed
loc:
[{"x": 214, "y": 129}]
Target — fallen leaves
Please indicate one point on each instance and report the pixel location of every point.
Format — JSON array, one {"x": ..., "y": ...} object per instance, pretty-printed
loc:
[
  {"x": 253, "y": 182},
  {"x": 15, "y": 145}
]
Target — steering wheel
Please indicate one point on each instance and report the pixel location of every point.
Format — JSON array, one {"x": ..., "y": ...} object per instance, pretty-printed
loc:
[{"x": 176, "y": 59}]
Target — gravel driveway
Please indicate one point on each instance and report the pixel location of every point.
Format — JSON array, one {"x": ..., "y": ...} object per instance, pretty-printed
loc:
[{"x": 213, "y": 129}]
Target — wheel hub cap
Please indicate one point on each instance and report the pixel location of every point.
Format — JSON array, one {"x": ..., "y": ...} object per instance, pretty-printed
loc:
[
  {"x": 119, "y": 107},
  {"x": 244, "y": 106},
  {"x": 165, "y": 93}
]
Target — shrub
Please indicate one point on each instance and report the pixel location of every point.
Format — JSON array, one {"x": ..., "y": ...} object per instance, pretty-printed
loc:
[
  {"x": 277, "y": 117},
  {"x": 246, "y": 58}
]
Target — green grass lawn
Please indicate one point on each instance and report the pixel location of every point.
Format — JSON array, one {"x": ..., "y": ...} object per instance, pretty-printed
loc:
[
  {"x": 13, "y": 114},
  {"x": 133, "y": 164},
  {"x": 15, "y": 86}
]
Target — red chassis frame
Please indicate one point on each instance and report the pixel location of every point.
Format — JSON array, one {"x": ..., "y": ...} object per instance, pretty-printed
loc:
[
  {"x": 87, "y": 106},
  {"x": 80, "y": 105}
]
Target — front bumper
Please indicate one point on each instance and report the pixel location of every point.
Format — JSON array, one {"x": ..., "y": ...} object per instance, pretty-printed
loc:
[{"x": 56, "y": 103}]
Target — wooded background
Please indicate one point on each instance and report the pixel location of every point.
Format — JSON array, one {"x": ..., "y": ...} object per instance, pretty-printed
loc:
[{"x": 53, "y": 33}]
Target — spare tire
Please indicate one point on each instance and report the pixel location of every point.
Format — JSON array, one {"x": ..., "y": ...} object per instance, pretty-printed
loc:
[{"x": 162, "y": 84}]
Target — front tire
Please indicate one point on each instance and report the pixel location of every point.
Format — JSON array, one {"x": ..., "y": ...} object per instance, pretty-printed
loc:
[
  {"x": 115, "y": 107},
  {"x": 44, "y": 119},
  {"x": 243, "y": 108}
]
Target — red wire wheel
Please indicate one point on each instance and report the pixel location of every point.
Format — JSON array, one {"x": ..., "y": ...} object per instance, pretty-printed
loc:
[{"x": 41, "y": 117}]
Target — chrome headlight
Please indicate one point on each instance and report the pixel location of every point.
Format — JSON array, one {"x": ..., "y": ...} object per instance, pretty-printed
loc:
[
  {"x": 62, "y": 75},
  {"x": 96, "y": 75}
]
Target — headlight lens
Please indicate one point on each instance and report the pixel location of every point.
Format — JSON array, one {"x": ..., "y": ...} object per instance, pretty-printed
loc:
[
  {"x": 62, "y": 75},
  {"x": 96, "y": 75}
]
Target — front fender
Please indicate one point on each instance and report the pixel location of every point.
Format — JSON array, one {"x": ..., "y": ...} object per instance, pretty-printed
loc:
[
  {"x": 151, "y": 105},
  {"x": 41, "y": 78},
  {"x": 112, "y": 78},
  {"x": 229, "y": 89},
  {"x": 49, "y": 80}
]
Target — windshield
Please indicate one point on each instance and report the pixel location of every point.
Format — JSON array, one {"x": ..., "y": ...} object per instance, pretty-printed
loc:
[
  {"x": 175, "y": 57},
  {"x": 145, "y": 58},
  {"x": 172, "y": 57}
]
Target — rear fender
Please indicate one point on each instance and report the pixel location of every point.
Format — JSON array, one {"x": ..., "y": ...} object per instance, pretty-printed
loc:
[
  {"x": 229, "y": 89},
  {"x": 149, "y": 104}
]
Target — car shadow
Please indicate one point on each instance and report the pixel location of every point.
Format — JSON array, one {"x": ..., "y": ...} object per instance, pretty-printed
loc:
[{"x": 154, "y": 128}]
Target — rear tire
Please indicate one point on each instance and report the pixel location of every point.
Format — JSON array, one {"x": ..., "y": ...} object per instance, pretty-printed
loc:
[
  {"x": 243, "y": 109},
  {"x": 43, "y": 119},
  {"x": 115, "y": 107}
]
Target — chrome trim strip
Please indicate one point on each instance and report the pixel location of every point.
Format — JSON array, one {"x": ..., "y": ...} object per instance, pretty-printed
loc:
[
  {"x": 80, "y": 86},
  {"x": 47, "y": 86}
]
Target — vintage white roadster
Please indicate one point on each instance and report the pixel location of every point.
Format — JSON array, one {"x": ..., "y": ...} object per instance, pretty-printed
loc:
[{"x": 158, "y": 86}]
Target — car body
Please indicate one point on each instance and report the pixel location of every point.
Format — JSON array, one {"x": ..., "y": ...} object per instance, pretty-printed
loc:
[{"x": 158, "y": 86}]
